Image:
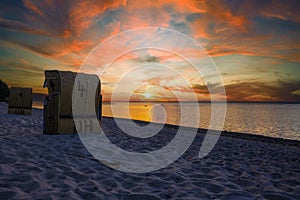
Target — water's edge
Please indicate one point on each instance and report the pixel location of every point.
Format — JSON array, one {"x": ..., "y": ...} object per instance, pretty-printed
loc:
[{"x": 239, "y": 135}]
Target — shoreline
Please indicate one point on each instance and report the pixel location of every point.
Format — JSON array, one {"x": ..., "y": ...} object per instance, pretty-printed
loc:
[
  {"x": 231, "y": 134},
  {"x": 277, "y": 137},
  {"x": 225, "y": 133}
]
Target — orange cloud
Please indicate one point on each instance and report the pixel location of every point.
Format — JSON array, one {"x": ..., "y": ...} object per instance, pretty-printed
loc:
[
  {"x": 221, "y": 13},
  {"x": 183, "y": 6},
  {"x": 77, "y": 46},
  {"x": 32, "y": 6},
  {"x": 82, "y": 13}
]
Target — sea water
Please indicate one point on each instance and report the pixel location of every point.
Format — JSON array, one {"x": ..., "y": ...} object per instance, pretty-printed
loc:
[{"x": 268, "y": 119}]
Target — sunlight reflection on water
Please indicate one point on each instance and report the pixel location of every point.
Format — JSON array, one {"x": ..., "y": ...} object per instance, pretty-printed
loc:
[{"x": 275, "y": 120}]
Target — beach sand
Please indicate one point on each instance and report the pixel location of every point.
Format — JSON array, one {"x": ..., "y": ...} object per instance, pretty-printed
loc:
[{"x": 37, "y": 166}]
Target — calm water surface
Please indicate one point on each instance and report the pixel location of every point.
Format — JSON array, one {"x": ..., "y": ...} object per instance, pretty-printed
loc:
[{"x": 275, "y": 120}]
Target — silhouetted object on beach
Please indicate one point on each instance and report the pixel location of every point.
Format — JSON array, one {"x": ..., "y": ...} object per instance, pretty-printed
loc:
[
  {"x": 20, "y": 101},
  {"x": 4, "y": 90},
  {"x": 58, "y": 115}
]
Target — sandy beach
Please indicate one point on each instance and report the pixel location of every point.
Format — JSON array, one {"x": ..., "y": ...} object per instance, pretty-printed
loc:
[{"x": 241, "y": 166}]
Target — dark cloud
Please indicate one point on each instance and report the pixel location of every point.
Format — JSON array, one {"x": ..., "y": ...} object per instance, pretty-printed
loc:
[
  {"x": 21, "y": 27},
  {"x": 258, "y": 91},
  {"x": 209, "y": 88},
  {"x": 36, "y": 17},
  {"x": 148, "y": 58},
  {"x": 281, "y": 91},
  {"x": 180, "y": 26},
  {"x": 193, "y": 17}
]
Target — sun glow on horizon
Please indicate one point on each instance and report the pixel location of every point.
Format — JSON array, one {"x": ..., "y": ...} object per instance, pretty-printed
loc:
[{"x": 148, "y": 96}]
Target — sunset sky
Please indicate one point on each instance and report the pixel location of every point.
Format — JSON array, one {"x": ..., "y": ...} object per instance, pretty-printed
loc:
[{"x": 255, "y": 45}]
